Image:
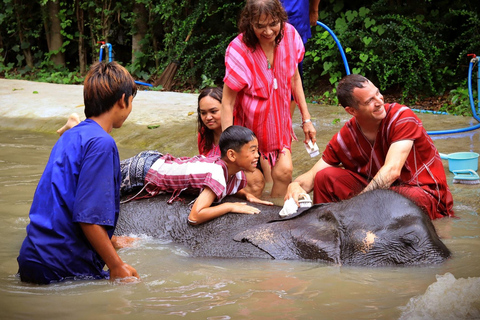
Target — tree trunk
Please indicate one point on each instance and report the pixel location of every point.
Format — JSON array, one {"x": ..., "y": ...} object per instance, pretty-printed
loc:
[
  {"x": 82, "y": 51},
  {"x": 24, "y": 44},
  {"x": 140, "y": 27},
  {"x": 54, "y": 33}
]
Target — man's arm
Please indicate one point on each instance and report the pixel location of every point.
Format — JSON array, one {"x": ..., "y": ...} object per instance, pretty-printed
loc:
[
  {"x": 98, "y": 238},
  {"x": 314, "y": 12},
  {"x": 305, "y": 182},
  {"x": 228, "y": 102},
  {"x": 396, "y": 156},
  {"x": 202, "y": 211}
]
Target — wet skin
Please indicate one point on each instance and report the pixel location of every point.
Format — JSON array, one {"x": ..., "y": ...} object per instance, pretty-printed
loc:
[{"x": 378, "y": 228}]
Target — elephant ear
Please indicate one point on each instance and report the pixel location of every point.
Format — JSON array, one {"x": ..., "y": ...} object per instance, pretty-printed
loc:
[{"x": 311, "y": 236}]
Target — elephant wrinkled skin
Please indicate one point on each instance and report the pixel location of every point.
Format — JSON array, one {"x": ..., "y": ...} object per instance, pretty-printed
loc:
[{"x": 378, "y": 228}]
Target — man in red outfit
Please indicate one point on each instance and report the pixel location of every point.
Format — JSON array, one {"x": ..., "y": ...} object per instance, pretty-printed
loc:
[{"x": 382, "y": 146}]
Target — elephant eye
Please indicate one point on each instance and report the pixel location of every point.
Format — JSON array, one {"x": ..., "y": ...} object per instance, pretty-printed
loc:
[{"x": 410, "y": 240}]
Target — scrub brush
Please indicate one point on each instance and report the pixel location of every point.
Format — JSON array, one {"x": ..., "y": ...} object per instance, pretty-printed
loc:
[{"x": 466, "y": 176}]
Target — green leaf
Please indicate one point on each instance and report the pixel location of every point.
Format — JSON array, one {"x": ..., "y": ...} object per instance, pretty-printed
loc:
[
  {"x": 363, "y": 57},
  {"x": 381, "y": 30},
  {"x": 367, "y": 40},
  {"x": 369, "y": 22},
  {"x": 351, "y": 15},
  {"x": 363, "y": 11},
  {"x": 25, "y": 45},
  {"x": 327, "y": 65}
]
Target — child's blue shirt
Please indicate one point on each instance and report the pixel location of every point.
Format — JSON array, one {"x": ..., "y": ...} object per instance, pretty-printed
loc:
[{"x": 81, "y": 183}]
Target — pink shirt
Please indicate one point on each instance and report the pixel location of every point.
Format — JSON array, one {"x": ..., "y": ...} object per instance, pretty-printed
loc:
[
  {"x": 213, "y": 152},
  {"x": 423, "y": 167},
  {"x": 259, "y": 106},
  {"x": 170, "y": 174}
]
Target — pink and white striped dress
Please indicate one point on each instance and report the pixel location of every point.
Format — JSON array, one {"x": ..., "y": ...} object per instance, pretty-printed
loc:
[
  {"x": 175, "y": 175},
  {"x": 260, "y": 106}
]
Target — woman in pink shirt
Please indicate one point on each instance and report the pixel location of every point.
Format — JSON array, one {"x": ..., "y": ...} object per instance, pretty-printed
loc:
[
  {"x": 261, "y": 77},
  {"x": 210, "y": 129}
]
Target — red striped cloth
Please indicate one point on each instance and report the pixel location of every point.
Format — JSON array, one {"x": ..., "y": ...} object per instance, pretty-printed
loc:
[
  {"x": 170, "y": 174},
  {"x": 213, "y": 152},
  {"x": 260, "y": 107},
  {"x": 423, "y": 167}
]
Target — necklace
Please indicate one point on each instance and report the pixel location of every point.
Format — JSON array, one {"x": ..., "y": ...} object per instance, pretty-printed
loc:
[{"x": 269, "y": 67}]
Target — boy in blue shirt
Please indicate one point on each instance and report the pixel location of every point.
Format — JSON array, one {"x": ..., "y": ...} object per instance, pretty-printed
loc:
[{"x": 76, "y": 204}]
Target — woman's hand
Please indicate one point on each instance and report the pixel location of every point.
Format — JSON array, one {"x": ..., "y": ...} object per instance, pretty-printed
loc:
[{"x": 310, "y": 132}]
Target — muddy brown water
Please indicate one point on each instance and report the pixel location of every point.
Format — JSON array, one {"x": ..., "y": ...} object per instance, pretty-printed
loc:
[{"x": 175, "y": 285}]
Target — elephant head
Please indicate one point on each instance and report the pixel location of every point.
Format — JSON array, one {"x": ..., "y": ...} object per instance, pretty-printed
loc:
[{"x": 378, "y": 228}]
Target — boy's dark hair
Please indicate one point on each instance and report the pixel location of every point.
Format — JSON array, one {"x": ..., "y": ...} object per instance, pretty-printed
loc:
[
  {"x": 206, "y": 135},
  {"x": 251, "y": 14},
  {"x": 104, "y": 85},
  {"x": 345, "y": 89},
  {"x": 235, "y": 137}
]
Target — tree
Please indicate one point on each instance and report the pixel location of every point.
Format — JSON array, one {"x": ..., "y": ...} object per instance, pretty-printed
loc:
[
  {"x": 53, "y": 33},
  {"x": 20, "y": 10},
  {"x": 140, "y": 29},
  {"x": 82, "y": 49}
]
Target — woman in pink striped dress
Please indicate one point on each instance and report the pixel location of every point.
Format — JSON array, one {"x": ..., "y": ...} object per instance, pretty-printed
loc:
[
  {"x": 210, "y": 129},
  {"x": 261, "y": 76}
]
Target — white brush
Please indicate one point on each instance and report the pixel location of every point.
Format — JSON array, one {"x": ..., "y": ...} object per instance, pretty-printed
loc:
[{"x": 467, "y": 176}]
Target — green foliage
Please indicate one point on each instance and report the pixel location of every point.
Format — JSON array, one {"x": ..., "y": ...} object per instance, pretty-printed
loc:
[
  {"x": 459, "y": 101},
  {"x": 419, "y": 50},
  {"x": 399, "y": 49},
  {"x": 399, "y": 59}
]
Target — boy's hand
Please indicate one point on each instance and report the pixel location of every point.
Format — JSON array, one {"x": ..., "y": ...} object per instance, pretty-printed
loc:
[
  {"x": 123, "y": 241},
  {"x": 251, "y": 198},
  {"x": 124, "y": 271},
  {"x": 242, "y": 207},
  {"x": 98, "y": 238}
]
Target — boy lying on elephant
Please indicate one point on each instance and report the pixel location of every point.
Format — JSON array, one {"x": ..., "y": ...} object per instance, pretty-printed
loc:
[{"x": 214, "y": 178}]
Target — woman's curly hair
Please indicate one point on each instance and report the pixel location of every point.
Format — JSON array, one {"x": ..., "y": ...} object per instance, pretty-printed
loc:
[{"x": 251, "y": 14}]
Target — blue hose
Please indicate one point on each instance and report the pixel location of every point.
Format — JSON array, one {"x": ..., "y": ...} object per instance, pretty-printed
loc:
[
  {"x": 472, "y": 104},
  {"x": 110, "y": 59},
  {"x": 470, "y": 93},
  {"x": 110, "y": 55},
  {"x": 342, "y": 53},
  {"x": 143, "y": 83}
]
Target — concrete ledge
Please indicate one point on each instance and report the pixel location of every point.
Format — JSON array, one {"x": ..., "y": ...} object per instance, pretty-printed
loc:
[
  {"x": 38, "y": 100},
  {"x": 44, "y": 107}
]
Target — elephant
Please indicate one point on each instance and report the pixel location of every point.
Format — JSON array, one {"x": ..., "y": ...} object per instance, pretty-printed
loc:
[{"x": 376, "y": 228}]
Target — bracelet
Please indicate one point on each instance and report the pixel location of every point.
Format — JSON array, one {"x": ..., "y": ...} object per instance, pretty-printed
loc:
[{"x": 305, "y": 121}]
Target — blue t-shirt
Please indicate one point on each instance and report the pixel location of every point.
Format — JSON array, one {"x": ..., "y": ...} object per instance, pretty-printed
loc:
[
  {"x": 298, "y": 12},
  {"x": 81, "y": 183}
]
